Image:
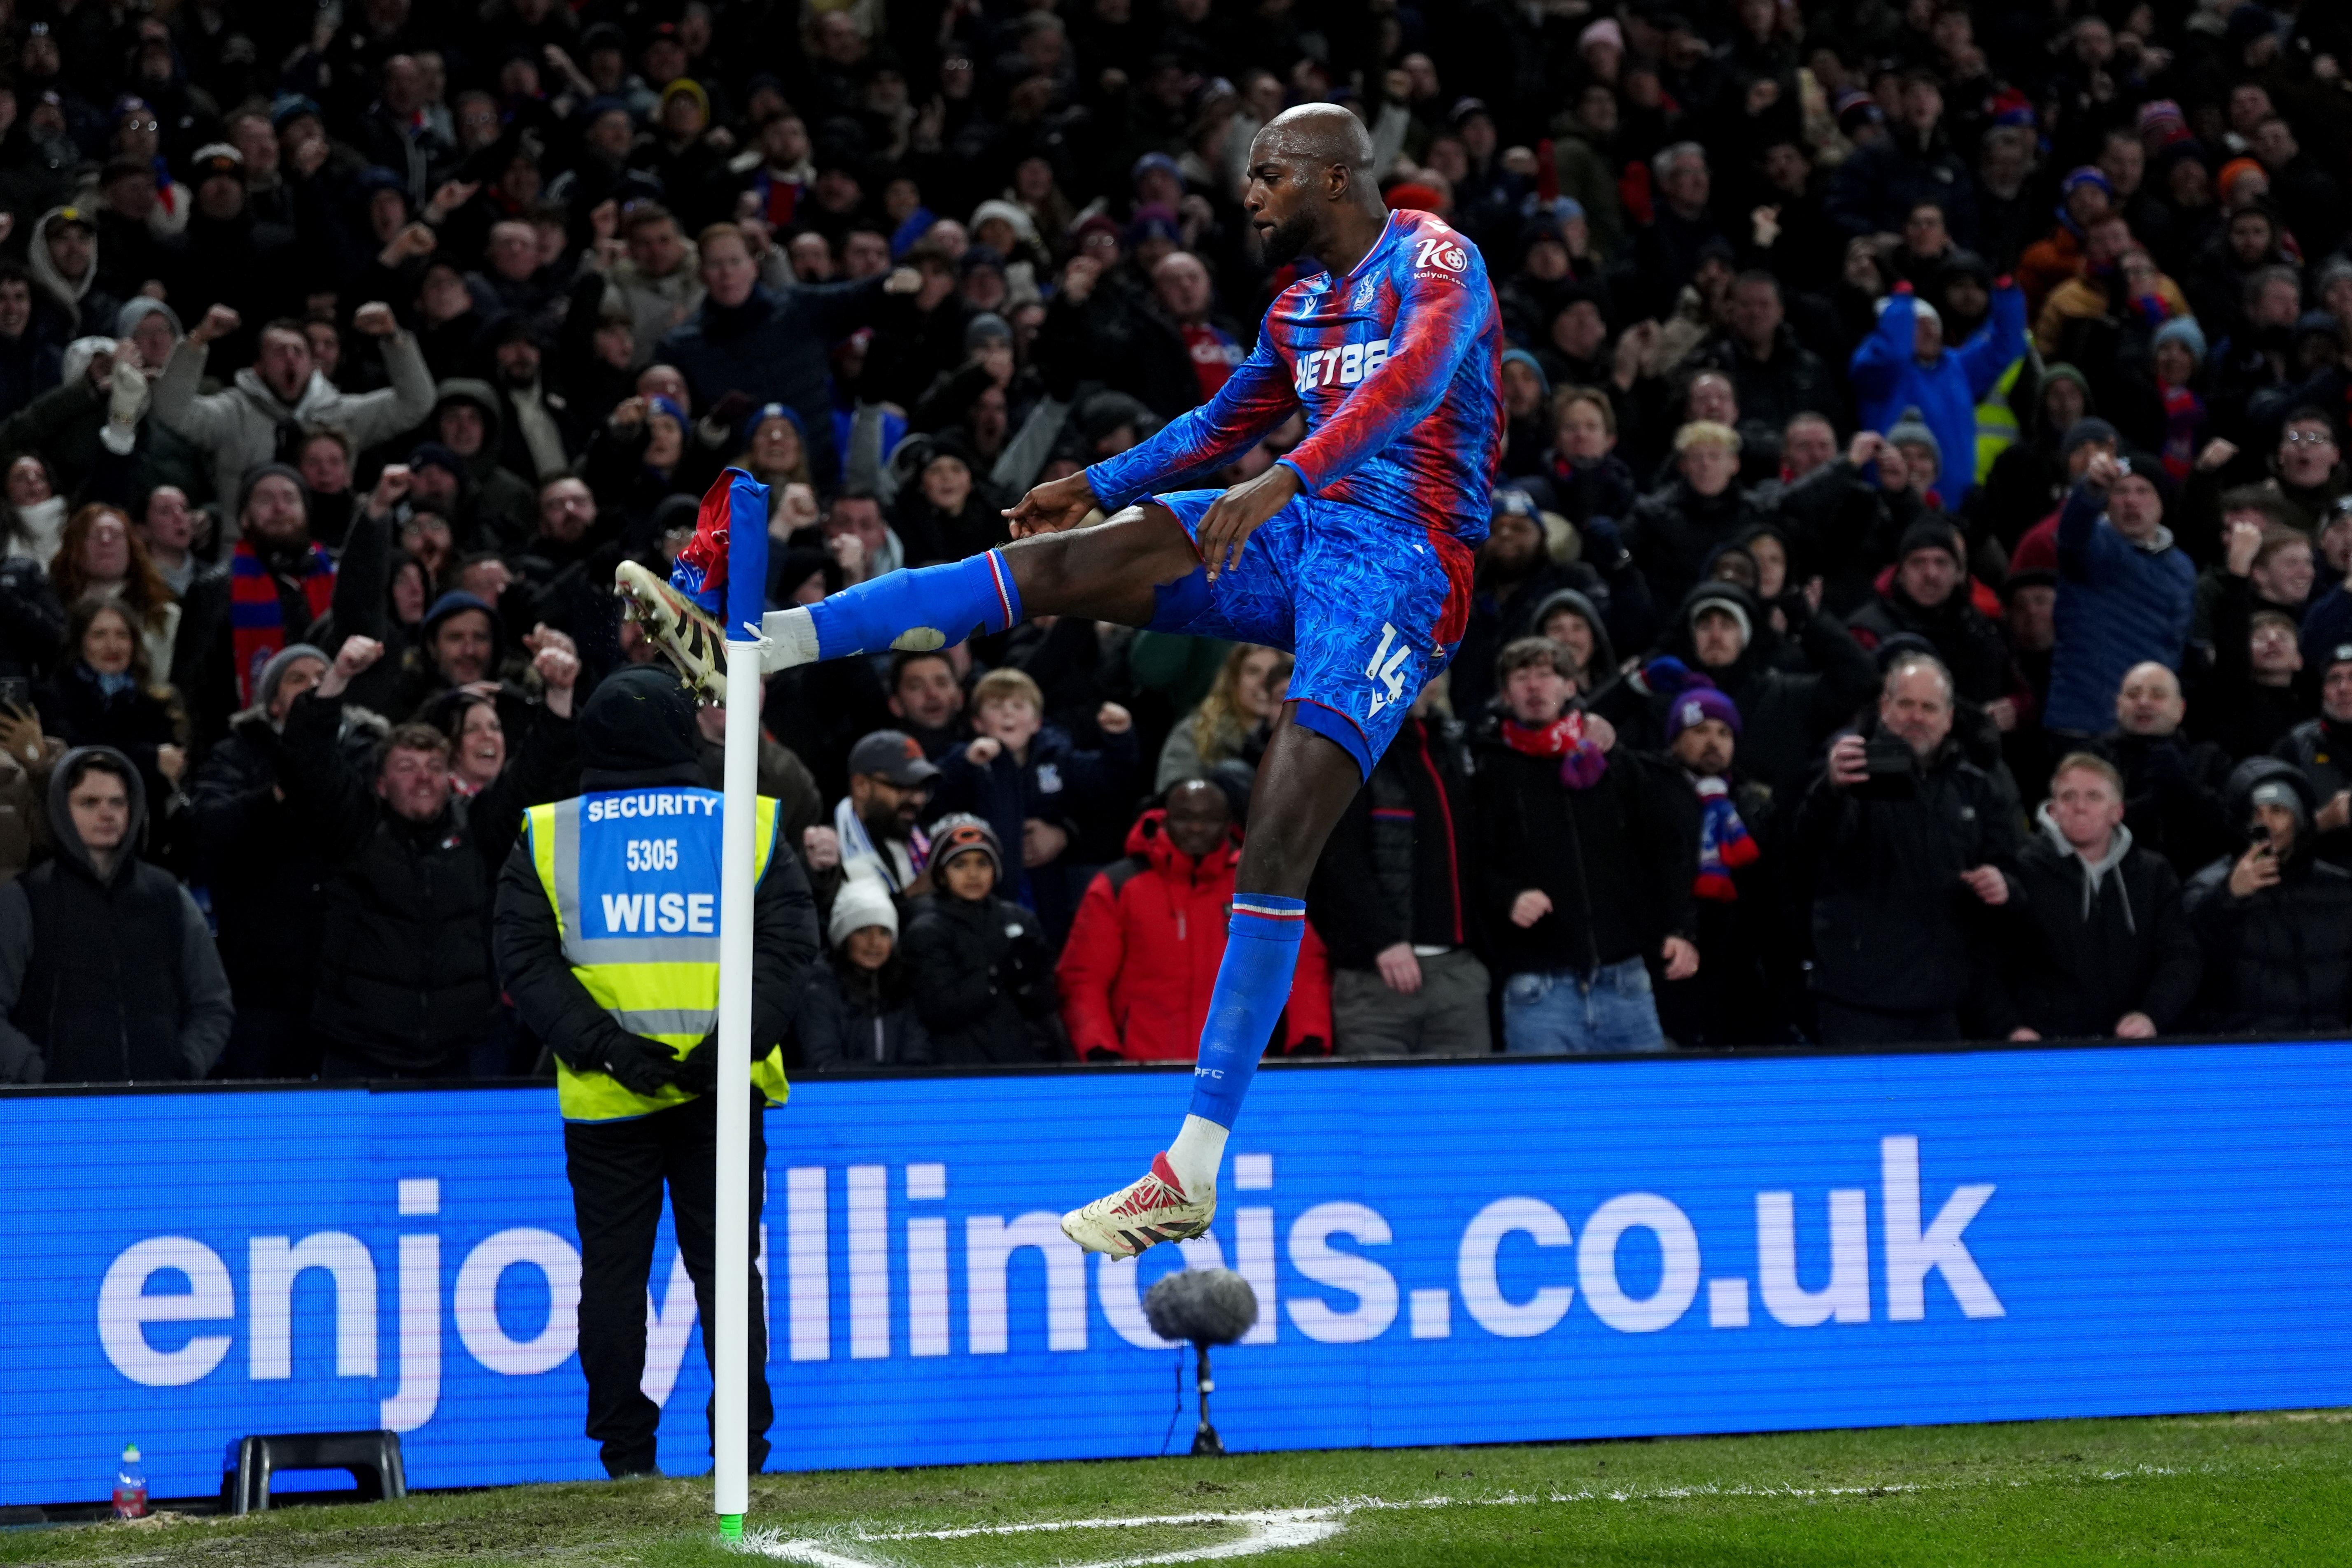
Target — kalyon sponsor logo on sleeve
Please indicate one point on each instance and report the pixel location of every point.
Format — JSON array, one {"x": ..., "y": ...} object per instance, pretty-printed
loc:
[{"x": 1440, "y": 1253}]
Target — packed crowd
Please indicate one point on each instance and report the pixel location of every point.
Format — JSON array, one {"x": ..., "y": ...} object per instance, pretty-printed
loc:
[{"x": 1918, "y": 604}]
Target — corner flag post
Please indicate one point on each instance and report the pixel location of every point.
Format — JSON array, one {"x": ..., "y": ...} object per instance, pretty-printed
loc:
[{"x": 747, "y": 578}]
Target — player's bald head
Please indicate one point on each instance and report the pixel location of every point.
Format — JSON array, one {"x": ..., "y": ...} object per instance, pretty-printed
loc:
[{"x": 1321, "y": 133}]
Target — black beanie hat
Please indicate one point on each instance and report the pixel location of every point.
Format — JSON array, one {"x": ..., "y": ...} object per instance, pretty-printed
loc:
[
  {"x": 1934, "y": 531},
  {"x": 638, "y": 728}
]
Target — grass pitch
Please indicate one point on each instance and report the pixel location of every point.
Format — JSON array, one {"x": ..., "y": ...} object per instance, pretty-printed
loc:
[{"x": 2263, "y": 1489}]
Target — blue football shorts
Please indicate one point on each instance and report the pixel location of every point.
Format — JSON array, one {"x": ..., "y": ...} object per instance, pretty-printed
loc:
[{"x": 1370, "y": 607}]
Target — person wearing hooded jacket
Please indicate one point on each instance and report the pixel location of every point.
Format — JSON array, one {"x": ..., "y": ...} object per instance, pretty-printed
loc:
[
  {"x": 1788, "y": 715},
  {"x": 1570, "y": 617},
  {"x": 254, "y": 419},
  {"x": 76, "y": 294},
  {"x": 2096, "y": 945},
  {"x": 497, "y": 506},
  {"x": 1142, "y": 960},
  {"x": 2275, "y": 922},
  {"x": 108, "y": 973},
  {"x": 630, "y": 1012},
  {"x": 1905, "y": 364}
]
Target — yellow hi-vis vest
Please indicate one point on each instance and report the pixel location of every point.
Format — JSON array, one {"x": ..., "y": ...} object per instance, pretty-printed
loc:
[
  {"x": 1997, "y": 429},
  {"x": 632, "y": 875}
]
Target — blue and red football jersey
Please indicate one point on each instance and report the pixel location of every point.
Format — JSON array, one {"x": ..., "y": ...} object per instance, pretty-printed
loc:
[{"x": 1398, "y": 367}]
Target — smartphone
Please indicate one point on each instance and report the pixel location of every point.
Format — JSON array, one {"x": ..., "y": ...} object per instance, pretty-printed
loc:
[{"x": 16, "y": 691}]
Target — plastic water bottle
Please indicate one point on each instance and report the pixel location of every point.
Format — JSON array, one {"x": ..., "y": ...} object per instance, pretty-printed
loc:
[{"x": 131, "y": 1485}]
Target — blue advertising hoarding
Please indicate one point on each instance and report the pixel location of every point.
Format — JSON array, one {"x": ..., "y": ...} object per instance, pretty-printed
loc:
[{"x": 1444, "y": 1253}]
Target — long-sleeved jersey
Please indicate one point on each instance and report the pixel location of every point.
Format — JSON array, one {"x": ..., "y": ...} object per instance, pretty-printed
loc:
[{"x": 1398, "y": 369}]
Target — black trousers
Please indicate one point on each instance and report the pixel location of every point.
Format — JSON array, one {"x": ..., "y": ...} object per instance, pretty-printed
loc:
[{"x": 617, "y": 1171}]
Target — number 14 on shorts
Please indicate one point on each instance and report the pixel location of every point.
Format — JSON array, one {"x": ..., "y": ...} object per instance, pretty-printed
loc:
[{"x": 1387, "y": 668}]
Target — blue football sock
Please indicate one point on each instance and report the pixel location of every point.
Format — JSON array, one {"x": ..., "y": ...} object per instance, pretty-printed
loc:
[
  {"x": 952, "y": 602},
  {"x": 1253, "y": 983}
]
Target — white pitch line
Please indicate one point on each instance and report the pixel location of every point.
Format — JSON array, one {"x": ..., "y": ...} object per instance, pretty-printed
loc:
[
  {"x": 1273, "y": 1529},
  {"x": 1270, "y": 1530}
]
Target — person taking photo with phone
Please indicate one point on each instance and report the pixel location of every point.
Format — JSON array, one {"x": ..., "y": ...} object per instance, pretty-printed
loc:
[
  {"x": 1908, "y": 844},
  {"x": 2275, "y": 922}
]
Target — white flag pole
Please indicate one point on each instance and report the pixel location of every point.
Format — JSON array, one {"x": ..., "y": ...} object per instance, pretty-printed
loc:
[{"x": 747, "y": 581}]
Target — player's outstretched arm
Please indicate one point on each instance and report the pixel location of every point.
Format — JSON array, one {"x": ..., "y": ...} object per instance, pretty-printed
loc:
[{"x": 1053, "y": 507}]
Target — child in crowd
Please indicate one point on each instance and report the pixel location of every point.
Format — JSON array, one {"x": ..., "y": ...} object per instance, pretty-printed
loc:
[
  {"x": 858, "y": 1010},
  {"x": 1024, "y": 777},
  {"x": 982, "y": 968}
]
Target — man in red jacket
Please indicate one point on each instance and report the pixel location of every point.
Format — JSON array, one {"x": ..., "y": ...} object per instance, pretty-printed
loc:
[{"x": 1142, "y": 955}]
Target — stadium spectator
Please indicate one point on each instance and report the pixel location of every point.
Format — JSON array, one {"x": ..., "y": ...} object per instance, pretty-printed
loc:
[
  {"x": 984, "y": 973},
  {"x": 242, "y": 426},
  {"x": 102, "y": 695},
  {"x": 2276, "y": 921},
  {"x": 1905, "y": 364},
  {"x": 1514, "y": 575},
  {"x": 1677, "y": 529},
  {"x": 1396, "y": 900},
  {"x": 768, "y": 346},
  {"x": 1905, "y": 842},
  {"x": 2097, "y": 945},
  {"x": 2171, "y": 783},
  {"x": 404, "y": 985},
  {"x": 859, "y": 1011},
  {"x": 2313, "y": 748},
  {"x": 1141, "y": 961},
  {"x": 26, "y": 757},
  {"x": 1775, "y": 377},
  {"x": 1024, "y": 776},
  {"x": 1569, "y": 618},
  {"x": 254, "y": 851},
  {"x": 1245, "y": 697},
  {"x": 2124, "y": 591},
  {"x": 1789, "y": 713},
  {"x": 876, "y": 826},
  {"x": 100, "y": 555},
  {"x": 1737, "y": 997},
  {"x": 1586, "y": 860},
  {"x": 1928, "y": 597},
  {"x": 108, "y": 973},
  {"x": 235, "y": 618},
  {"x": 782, "y": 777},
  {"x": 928, "y": 700},
  {"x": 1876, "y": 189}
]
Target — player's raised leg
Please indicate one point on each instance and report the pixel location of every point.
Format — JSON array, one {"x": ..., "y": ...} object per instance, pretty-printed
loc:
[
  {"x": 1304, "y": 786},
  {"x": 1109, "y": 571}
]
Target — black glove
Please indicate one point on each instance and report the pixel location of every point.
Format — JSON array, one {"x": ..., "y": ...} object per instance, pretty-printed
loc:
[
  {"x": 642, "y": 1066},
  {"x": 698, "y": 1070}
]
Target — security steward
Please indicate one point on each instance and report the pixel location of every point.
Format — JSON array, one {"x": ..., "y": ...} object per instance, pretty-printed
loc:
[{"x": 607, "y": 939}]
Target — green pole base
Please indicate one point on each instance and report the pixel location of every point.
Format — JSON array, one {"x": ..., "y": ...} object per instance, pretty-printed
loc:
[{"x": 730, "y": 1527}]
